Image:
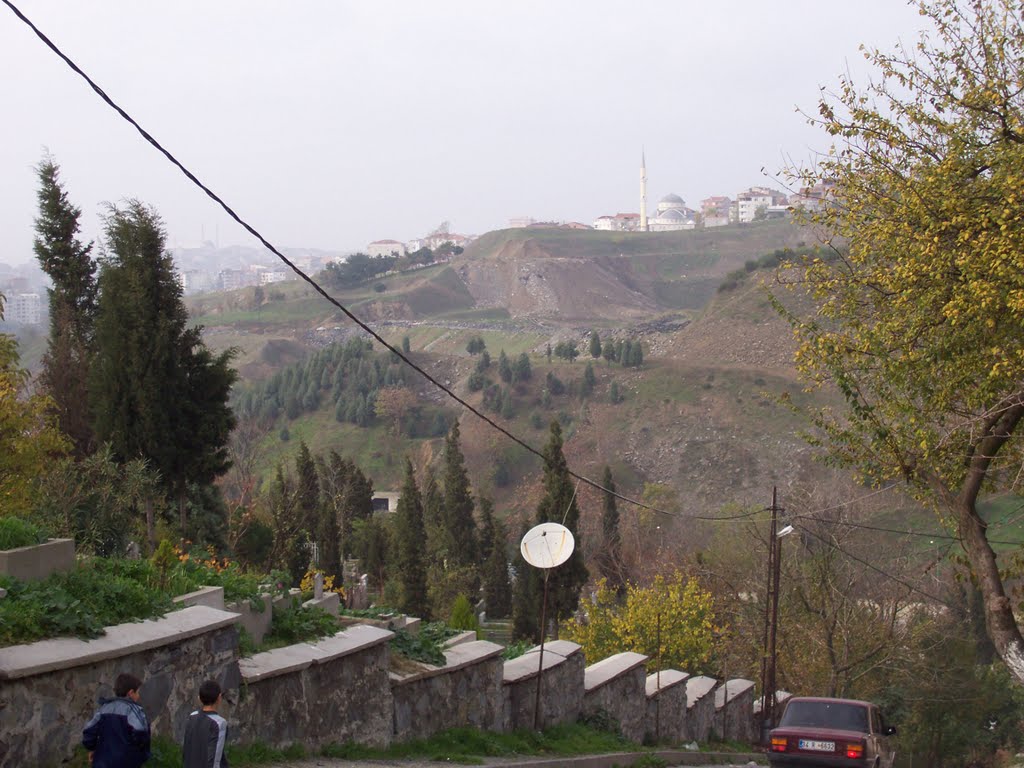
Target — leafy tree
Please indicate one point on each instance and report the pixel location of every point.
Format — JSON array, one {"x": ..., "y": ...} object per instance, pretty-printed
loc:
[
  {"x": 291, "y": 546},
  {"x": 919, "y": 320},
  {"x": 677, "y": 610},
  {"x": 69, "y": 265},
  {"x": 458, "y": 521},
  {"x": 156, "y": 390},
  {"x": 567, "y": 350},
  {"x": 29, "y": 436},
  {"x": 476, "y": 345},
  {"x": 372, "y": 545},
  {"x": 595, "y": 345},
  {"x": 410, "y": 535},
  {"x": 608, "y": 351},
  {"x": 395, "y": 404},
  {"x": 609, "y": 557}
]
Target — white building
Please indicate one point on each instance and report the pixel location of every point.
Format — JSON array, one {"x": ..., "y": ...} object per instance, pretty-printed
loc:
[
  {"x": 385, "y": 248},
  {"x": 671, "y": 215},
  {"x": 752, "y": 200},
  {"x": 620, "y": 222},
  {"x": 23, "y": 309},
  {"x": 269, "y": 276}
]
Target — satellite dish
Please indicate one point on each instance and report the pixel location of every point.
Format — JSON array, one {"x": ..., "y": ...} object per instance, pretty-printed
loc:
[{"x": 547, "y": 545}]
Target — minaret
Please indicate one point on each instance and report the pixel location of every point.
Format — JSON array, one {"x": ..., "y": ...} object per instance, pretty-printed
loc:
[{"x": 643, "y": 192}]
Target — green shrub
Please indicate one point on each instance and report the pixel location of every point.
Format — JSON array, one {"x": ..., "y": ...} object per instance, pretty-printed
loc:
[
  {"x": 463, "y": 616},
  {"x": 296, "y": 624},
  {"x": 426, "y": 646},
  {"x": 16, "y": 532}
]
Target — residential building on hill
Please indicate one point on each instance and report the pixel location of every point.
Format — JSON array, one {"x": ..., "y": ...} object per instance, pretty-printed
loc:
[
  {"x": 23, "y": 309},
  {"x": 385, "y": 248}
]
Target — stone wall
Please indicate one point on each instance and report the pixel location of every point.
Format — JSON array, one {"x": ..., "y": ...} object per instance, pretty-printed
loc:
[
  {"x": 49, "y": 689},
  {"x": 618, "y": 686},
  {"x": 700, "y": 707},
  {"x": 561, "y": 686},
  {"x": 467, "y": 691},
  {"x": 331, "y": 691},
  {"x": 666, "y": 707},
  {"x": 734, "y": 711}
]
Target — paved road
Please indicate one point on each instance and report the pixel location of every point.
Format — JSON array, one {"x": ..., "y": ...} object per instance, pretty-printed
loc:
[{"x": 588, "y": 761}]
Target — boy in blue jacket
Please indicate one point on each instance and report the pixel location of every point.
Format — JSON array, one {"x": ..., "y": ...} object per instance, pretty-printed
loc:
[{"x": 118, "y": 734}]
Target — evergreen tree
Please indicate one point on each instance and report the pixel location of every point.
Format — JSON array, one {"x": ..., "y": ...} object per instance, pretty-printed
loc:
[
  {"x": 307, "y": 486},
  {"x": 521, "y": 370},
  {"x": 636, "y": 359},
  {"x": 486, "y": 527},
  {"x": 409, "y": 539},
  {"x": 291, "y": 548},
  {"x": 614, "y": 396},
  {"x": 595, "y": 345},
  {"x": 609, "y": 559},
  {"x": 547, "y": 352},
  {"x": 156, "y": 391},
  {"x": 559, "y": 505},
  {"x": 497, "y": 590},
  {"x": 458, "y": 504},
  {"x": 69, "y": 265},
  {"x": 608, "y": 351},
  {"x": 589, "y": 380},
  {"x": 504, "y": 368},
  {"x": 625, "y": 357},
  {"x": 526, "y": 596},
  {"x": 328, "y": 527}
]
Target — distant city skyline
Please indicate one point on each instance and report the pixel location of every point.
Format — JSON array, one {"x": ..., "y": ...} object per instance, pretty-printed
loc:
[{"x": 330, "y": 125}]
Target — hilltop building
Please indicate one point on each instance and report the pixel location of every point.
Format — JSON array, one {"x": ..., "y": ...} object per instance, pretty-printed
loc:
[
  {"x": 716, "y": 210},
  {"x": 672, "y": 215},
  {"x": 385, "y": 248}
]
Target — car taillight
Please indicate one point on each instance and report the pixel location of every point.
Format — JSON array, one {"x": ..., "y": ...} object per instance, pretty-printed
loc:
[
  {"x": 779, "y": 743},
  {"x": 855, "y": 750}
]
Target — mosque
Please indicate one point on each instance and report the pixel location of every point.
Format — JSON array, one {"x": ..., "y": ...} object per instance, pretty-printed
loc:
[{"x": 670, "y": 215}]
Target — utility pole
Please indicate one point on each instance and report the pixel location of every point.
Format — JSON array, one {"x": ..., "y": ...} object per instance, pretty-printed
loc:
[{"x": 771, "y": 620}]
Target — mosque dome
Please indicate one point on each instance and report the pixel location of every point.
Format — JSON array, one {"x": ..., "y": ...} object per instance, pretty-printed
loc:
[
  {"x": 670, "y": 202},
  {"x": 672, "y": 198}
]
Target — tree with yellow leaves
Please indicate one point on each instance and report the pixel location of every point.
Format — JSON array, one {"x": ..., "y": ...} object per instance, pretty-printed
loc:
[
  {"x": 29, "y": 437},
  {"x": 919, "y": 317},
  {"x": 672, "y": 622}
]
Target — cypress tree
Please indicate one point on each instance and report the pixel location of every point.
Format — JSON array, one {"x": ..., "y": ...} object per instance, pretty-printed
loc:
[
  {"x": 526, "y": 596},
  {"x": 156, "y": 391},
  {"x": 307, "y": 486},
  {"x": 497, "y": 590},
  {"x": 328, "y": 523},
  {"x": 504, "y": 368},
  {"x": 410, "y": 535},
  {"x": 459, "y": 522},
  {"x": 595, "y": 344},
  {"x": 559, "y": 505},
  {"x": 69, "y": 265},
  {"x": 609, "y": 559}
]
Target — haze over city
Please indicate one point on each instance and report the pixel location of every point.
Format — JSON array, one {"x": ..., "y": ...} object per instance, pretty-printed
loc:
[{"x": 330, "y": 125}]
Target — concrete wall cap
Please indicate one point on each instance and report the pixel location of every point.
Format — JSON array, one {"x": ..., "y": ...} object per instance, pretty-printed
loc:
[
  {"x": 669, "y": 679},
  {"x": 734, "y": 688},
  {"x": 606, "y": 670},
  {"x": 457, "y": 657},
  {"x": 279, "y": 661},
  {"x": 524, "y": 667},
  {"x": 18, "y": 661},
  {"x": 469, "y": 636},
  {"x": 697, "y": 688},
  {"x": 350, "y": 640},
  {"x": 563, "y": 648}
]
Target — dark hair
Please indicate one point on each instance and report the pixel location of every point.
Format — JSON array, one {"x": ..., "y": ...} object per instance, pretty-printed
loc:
[
  {"x": 125, "y": 683},
  {"x": 209, "y": 692}
]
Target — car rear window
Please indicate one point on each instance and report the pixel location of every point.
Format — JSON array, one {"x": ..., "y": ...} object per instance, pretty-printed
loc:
[{"x": 826, "y": 714}]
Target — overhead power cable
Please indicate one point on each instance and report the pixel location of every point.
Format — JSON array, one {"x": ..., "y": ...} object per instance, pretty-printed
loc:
[
  {"x": 316, "y": 286},
  {"x": 832, "y": 543},
  {"x": 923, "y": 534}
]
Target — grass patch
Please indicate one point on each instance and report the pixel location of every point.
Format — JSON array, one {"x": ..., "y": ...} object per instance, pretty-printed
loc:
[{"x": 469, "y": 746}]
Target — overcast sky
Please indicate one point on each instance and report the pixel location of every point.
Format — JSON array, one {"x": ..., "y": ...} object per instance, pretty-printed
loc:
[{"x": 331, "y": 124}]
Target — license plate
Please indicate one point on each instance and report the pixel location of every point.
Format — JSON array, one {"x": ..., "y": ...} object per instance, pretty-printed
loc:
[{"x": 817, "y": 746}]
